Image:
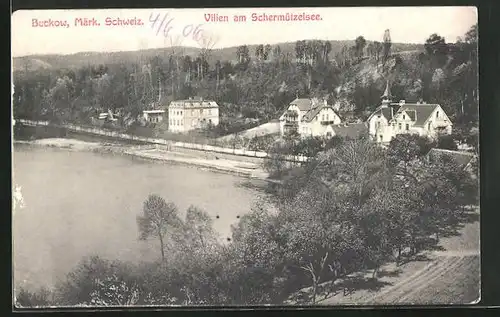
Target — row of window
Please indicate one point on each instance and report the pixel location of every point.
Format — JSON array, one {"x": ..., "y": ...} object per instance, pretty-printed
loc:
[
  {"x": 179, "y": 113},
  {"x": 154, "y": 119},
  {"x": 175, "y": 122},
  {"x": 181, "y": 122}
]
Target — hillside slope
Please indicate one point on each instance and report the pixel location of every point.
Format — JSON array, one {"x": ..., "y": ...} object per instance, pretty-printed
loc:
[{"x": 76, "y": 60}]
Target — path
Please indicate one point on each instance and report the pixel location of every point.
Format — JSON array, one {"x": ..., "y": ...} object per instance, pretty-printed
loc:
[{"x": 446, "y": 277}]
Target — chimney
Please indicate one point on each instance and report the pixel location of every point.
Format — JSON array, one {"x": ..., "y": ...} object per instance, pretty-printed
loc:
[{"x": 401, "y": 102}]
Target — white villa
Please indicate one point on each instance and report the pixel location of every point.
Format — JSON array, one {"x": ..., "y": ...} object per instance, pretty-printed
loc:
[
  {"x": 309, "y": 117},
  {"x": 391, "y": 119},
  {"x": 191, "y": 114}
]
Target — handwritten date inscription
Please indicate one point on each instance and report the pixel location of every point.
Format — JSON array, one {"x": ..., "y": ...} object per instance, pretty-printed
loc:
[{"x": 163, "y": 24}]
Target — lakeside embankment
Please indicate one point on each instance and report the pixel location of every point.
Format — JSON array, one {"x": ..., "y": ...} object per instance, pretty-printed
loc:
[{"x": 159, "y": 154}]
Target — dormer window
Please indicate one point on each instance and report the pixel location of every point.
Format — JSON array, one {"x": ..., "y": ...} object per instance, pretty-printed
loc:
[{"x": 404, "y": 117}]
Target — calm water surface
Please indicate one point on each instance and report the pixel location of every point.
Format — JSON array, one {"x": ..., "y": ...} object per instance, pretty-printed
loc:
[{"x": 79, "y": 204}]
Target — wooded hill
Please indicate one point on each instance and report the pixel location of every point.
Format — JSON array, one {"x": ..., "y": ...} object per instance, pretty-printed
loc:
[
  {"x": 82, "y": 59},
  {"x": 253, "y": 82}
]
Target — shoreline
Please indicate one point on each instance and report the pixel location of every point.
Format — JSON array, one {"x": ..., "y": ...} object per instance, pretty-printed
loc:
[{"x": 155, "y": 154}]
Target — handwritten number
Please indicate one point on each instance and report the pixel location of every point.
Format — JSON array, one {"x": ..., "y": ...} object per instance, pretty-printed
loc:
[
  {"x": 185, "y": 28},
  {"x": 198, "y": 31}
]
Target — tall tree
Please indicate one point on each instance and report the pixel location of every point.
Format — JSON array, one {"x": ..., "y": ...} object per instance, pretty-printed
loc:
[
  {"x": 387, "y": 45},
  {"x": 360, "y": 44},
  {"x": 157, "y": 216}
]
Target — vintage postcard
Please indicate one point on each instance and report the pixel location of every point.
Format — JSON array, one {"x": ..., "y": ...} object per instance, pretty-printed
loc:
[{"x": 245, "y": 156}]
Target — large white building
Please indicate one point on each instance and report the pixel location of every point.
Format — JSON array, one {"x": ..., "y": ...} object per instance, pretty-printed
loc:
[
  {"x": 309, "y": 117},
  {"x": 391, "y": 119},
  {"x": 191, "y": 114}
]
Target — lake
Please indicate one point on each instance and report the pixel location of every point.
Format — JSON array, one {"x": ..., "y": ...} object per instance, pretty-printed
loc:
[{"x": 80, "y": 203}]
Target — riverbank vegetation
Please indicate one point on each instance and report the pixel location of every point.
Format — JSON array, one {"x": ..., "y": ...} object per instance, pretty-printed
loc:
[{"x": 355, "y": 207}]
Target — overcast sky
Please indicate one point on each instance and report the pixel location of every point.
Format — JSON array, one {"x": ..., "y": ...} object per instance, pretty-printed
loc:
[{"x": 406, "y": 24}]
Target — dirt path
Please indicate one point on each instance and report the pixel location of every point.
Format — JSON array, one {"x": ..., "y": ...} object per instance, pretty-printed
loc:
[{"x": 447, "y": 276}]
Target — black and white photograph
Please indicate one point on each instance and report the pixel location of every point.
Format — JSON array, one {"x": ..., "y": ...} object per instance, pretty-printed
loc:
[{"x": 233, "y": 157}]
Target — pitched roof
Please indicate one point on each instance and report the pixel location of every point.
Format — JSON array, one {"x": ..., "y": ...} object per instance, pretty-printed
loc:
[
  {"x": 384, "y": 111},
  {"x": 303, "y": 104},
  {"x": 412, "y": 114},
  {"x": 422, "y": 111},
  {"x": 311, "y": 114},
  {"x": 352, "y": 130},
  {"x": 462, "y": 158}
]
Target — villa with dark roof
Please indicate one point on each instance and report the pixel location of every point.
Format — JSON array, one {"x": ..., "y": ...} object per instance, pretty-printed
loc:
[
  {"x": 391, "y": 119},
  {"x": 309, "y": 117}
]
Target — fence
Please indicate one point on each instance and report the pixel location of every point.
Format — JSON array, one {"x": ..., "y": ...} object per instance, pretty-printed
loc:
[{"x": 168, "y": 143}]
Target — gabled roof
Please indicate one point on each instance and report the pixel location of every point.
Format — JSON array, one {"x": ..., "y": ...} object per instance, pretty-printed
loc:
[
  {"x": 311, "y": 114},
  {"x": 352, "y": 130},
  {"x": 303, "y": 104},
  {"x": 384, "y": 111},
  {"x": 462, "y": 158},
  {"x": 422, "y": 111},
  {"x": 412, "y": 114}
]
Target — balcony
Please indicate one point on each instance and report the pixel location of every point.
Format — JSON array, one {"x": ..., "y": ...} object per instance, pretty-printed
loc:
[
  {"x": 291, "y": 123},
  {"x": 325, "y": 122}
]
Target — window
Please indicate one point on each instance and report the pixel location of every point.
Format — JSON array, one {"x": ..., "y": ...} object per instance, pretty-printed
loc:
[
  {"x": 192, "y": 112},
  {"x": 429, "y": 126},
  {"x": 181, "y": 113},
  {"x": 328, "y": 134},
  {"x": 404, "y": 117},
  {"x": 209, "y": 111},
  {"x": 399, "y": 126},
  {"x": 210, "y": 121},
  {"x": 327, "y": 117},
  {"x": 322, "y": 117},
  {"x": 380, "y": 137},
  {"x": 178, "y": 122},
  {"x": 201, "y": 111},
  {"x": 407, "y": 127},
  {"x": 437, "y": 114}
]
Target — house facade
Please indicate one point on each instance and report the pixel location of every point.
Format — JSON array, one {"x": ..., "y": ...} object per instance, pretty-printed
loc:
[
  {"x": 391, "y": 119},
  {"x": 309, "y": 117},
  {"x": 191, "y": 114},
  {"x": 153, "y": 116}
]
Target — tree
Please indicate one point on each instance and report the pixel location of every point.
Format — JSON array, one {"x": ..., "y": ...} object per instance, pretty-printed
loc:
[
  {"x": 378, "y": 47},
  {"x": 259, "y": 52},
  {"x": 360, "y": 44},
  {"x": 437, "y": 49},
  {"x": 387, "y": 45},
  {"x": 446, "y": 142},
  {"x": 198, "y": 231},
  {"x": 404, "y": 150},
  {"x": 157, "y": 216},
  {"x": 267, "y": 51}
]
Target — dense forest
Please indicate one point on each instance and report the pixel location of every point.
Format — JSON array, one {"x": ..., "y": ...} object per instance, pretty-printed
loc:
[{"x": 251, "y": 82}]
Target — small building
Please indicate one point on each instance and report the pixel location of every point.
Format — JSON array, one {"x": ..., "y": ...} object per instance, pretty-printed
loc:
[
  {"x": 391, "y": 119},
  {"x": 153, "y": 116},
  {"x": 192, "y": 114},
  {"x": 462, "y": 158},
  {"x": 308, "y": 117}
]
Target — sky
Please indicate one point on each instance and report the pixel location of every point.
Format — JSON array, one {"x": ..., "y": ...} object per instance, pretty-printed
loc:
[{"x": 188, "y": 27}]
